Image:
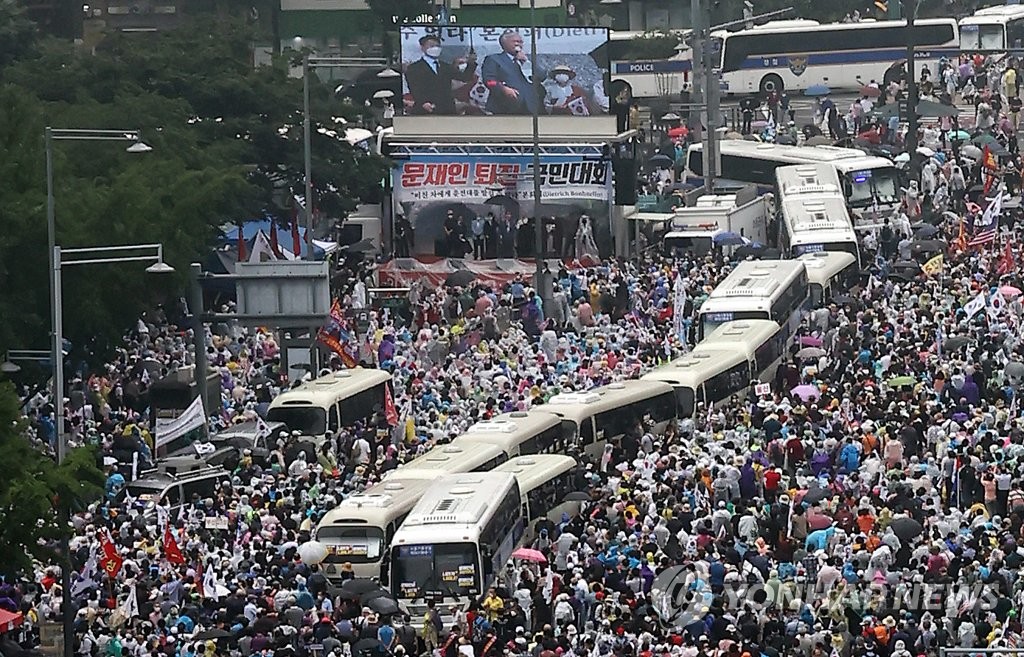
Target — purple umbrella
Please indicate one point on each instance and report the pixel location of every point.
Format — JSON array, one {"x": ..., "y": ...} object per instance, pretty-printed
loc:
[
  {"x": 806, "y": 392},
  {"x": 810, "y": 341}
]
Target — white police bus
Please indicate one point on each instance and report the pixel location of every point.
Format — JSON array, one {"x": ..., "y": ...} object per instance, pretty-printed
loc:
[
  {"x": 457, "y": 538},
  {"x": 758, "y": 289}
]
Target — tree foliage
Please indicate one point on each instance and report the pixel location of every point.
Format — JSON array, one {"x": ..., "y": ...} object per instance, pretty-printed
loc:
[
  {"x": 227, "y": 146},
  {"x": 17, "y": 32},
  {"x": 33, "y": 491}
]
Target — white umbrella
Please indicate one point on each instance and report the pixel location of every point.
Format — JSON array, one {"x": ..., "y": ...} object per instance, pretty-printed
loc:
[
  {"x": 312, "y": 552},
  {"x": 671, "y": 116},
  {"x": 383, "y": 93},
  {"x": 927, "y": 152},
  {"x": 356, "y": 135}
]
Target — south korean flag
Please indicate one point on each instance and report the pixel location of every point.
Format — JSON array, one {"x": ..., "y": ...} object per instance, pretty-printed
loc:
[
  {"x": 478, "y": 95},
  {"x": 578, "y": 107}
]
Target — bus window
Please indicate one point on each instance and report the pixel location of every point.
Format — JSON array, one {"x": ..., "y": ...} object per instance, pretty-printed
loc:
[
  {"x": 362, "y": 405},
  {"x": 548, "y": 442},
  {"x": 310, "y": 420},
  {"x": 722, "y": 385},
  {"x": 662, "y": 408},
  {"x": 686, "y": 401}
]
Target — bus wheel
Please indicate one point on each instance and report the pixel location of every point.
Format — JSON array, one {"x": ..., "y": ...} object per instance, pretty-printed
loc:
[{"x": 770, "y": 83}]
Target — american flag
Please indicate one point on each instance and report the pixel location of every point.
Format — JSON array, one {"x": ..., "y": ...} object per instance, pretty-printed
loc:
[{"x": 988, "y": 224}]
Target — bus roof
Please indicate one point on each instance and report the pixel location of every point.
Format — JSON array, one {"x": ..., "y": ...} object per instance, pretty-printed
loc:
[
  {"x": 798, "y": 25},
  {"x": 825, "y": 213},
  {"x": 577, "y": 406},
  {"x": 808, "y": 179},
  {"x": 824, "y": 265},
  {"x": 998, "y": 14},
  {"x": 747, "y": 334},
  {"x": 328, "y": 389},
  {"x": 448, "y": 459},
  {"x": 464, "y": 500},
  {"x": 503, "y": 428},
  {"x": 532, "y": 471},
  {"x": 378, "y": 504},
  {"x": 757, "y": 278},
  {"x": 843, "y": 159},
  {"x": 699, "y": 365}
]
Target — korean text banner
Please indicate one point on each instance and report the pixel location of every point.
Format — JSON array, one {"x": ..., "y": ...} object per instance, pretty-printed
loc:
[
  {"x": 475, "y": 179},
  {"x": 488, "y": 71}
]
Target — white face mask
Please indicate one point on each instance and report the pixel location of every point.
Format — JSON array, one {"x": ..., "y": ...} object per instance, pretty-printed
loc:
[
  {"x": 434, "y": 51},
  {"x": 518, "y": 49},
  {"x": 462, "y": 67},
  {"x": 561, "y": 78}
]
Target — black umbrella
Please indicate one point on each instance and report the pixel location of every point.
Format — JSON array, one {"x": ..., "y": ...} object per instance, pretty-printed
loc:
[
  {"x": 366, "y": 646},
  {"x": 846, "y": 300},
  {"x": 815, "y": 495},
  {"x": 460, "y": 278},
  {"x": 338, "y": 592},
  {"x": 362, "y": 246},
  {"x": 906, "y": 529},
  {"x": 902, "y": 276},
  {"x": 376, "y": 593},
  {"x": 506, "y": 202},
  {"x": 577, "y": 496},
  {"x": 214, "y": 633},
  {"x": 360, "y": 585},
  {"x": 926, "y": 231},
  {"x": 954, "y": 342},
  {"x": 925, "y": 247},
  {"x": 661, "y": 160},
  {"x": 906, "y": 264},
  {"x": 384, "y": 606}
]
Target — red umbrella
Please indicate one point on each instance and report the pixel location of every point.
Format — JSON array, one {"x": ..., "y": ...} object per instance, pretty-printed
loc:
[
  {"x": 680, "y": 131},
  {"x": 816, "y": 521},
  {"x": 870, "y": 92},
  {"x": 528, "y": 554}
]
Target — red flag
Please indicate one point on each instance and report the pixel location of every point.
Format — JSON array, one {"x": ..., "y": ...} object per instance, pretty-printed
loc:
[
  {"x": 390, "y": 414},
  {"x": 296, "y": 242},
  {"x": 241, "y": 244},
  {"x": 1006, "y": 261},
  {"x": 988, "y": 159},
  {"x": 110, "y": 560},
  {"x": 273, "y": 240},
  {"x": 989, "y": 180},
  {"x": 171, "y": 551}
]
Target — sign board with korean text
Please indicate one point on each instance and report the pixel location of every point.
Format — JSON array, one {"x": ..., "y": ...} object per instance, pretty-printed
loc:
[{"x": 476, "y": 178}]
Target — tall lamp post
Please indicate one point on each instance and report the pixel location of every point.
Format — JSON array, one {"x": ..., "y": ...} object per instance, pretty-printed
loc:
[
  {"x": 83, "y": 256},
  {"x": 542, "y": 286},
  {"x": 310, "y": 62},
  {"x": 56, "y": 348}
]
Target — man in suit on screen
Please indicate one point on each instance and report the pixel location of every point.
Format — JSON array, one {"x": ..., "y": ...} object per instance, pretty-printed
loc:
[
  {"x": 430, "y": 79},
  {"x": 509, "y": 78}
]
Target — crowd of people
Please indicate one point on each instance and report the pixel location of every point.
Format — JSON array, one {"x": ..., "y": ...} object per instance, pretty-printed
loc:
[{"x": 869, "y": 505}]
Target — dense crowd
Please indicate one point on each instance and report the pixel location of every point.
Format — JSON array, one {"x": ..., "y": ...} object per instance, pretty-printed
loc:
[{"x": 869, "y": 505}]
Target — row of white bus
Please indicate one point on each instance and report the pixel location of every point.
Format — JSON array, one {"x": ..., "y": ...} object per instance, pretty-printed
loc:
[{"x": 443, "y": 509}]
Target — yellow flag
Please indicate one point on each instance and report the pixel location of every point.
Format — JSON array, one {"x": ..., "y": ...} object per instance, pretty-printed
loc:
[{"x": 934, "y": 266}]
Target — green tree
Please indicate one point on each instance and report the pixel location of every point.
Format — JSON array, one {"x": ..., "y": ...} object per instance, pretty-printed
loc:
[
  {"x": 17, "y": 33},
  {"x": 227, "y": 146},
  {"x": 34, "y": 492}
]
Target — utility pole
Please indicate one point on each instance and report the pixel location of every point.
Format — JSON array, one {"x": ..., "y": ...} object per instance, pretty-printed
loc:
[
  {"x": 910, "y": 9},
  {"x": 712, "y": 98},
  {"x": 696, "y": 118},
  {"x": 704, "y": 113}
]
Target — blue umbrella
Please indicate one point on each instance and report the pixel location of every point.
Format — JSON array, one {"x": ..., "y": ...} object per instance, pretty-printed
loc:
[
  {"x": 729, "y": 239},
  {"x": 818, "y": 90}
]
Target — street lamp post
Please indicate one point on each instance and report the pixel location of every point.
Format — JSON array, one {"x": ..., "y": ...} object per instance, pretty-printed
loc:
[
  {"x": 56, "y": 349},
  {"x": 50, "y": 135},
  {"x": 540, "y": 284},
  {"x": 309, "y": 63},
  {"x": 83, "y": 256}
]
